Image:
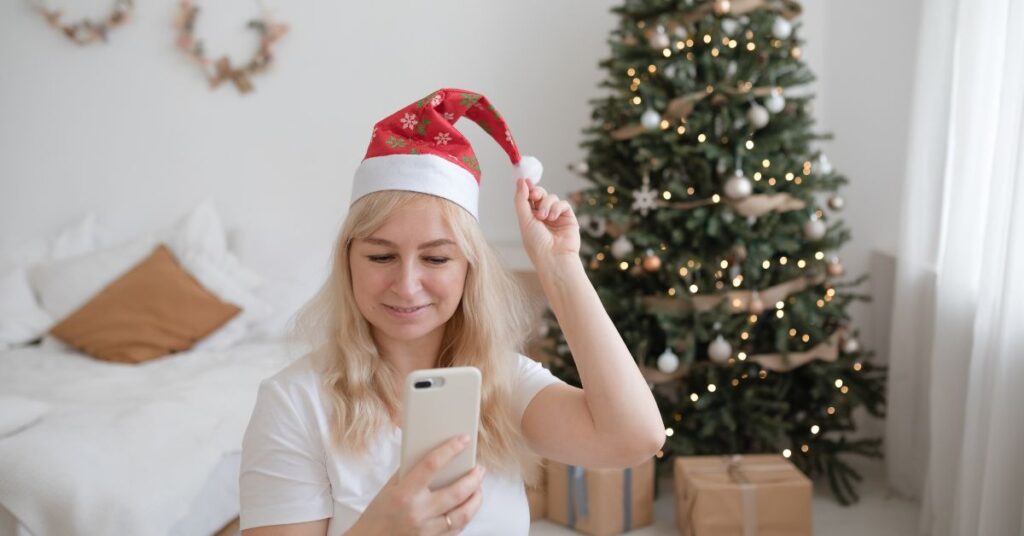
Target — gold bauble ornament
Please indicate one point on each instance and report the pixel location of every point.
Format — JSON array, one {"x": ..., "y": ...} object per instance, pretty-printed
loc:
[{"x": 652, "y": 262}]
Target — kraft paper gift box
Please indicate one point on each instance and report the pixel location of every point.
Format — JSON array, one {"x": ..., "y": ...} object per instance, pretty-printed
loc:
[
  {"x": 537, "y": 496},
  {"x": 754, "y": 495},
  {"x": 601, "y": 502}
]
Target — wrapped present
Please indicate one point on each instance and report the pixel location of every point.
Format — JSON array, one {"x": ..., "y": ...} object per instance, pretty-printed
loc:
[
  {"x": 537, "y": 498},
  {"x": 601, "y": 502},
  {"x": 754, "y": 495}
]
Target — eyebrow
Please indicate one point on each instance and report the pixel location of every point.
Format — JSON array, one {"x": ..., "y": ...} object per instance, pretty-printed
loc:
[{"x": 425, "y": 245}]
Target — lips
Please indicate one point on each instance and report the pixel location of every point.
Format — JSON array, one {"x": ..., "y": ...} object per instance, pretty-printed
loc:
[{"x": 406, "y": 310}]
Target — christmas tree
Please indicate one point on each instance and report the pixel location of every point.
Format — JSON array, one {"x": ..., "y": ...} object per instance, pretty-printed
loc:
[{"x": 711, "y": 232}]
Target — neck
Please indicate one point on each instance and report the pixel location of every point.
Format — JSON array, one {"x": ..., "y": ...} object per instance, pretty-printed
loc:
[{"x": 409, "y": 355}]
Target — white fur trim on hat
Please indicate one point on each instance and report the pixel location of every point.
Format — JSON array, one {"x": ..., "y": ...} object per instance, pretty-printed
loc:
[
  {"x": 424, "y": 173},
  {"x": 529, "y": 167}
]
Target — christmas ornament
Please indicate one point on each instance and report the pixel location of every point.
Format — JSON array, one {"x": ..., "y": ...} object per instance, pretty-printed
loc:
[
  {"x": 668, "y": 361},
  {"x": 836, "y": 203},
  {"x": 775, "y": 102},
  {"x": 757, "y": 115},
  {"x": 680, "y": 32},
  {"x": 645, "y": 199},
  {"x": 580, "y": 168},
  {"x": 659, "y": 39},
  {"x": 729, "y": 26},
  {"x": 650, "y": 119},
  {"x": 720, "y": 350},
  {"x": 670, "y": 71},
  {"x": 595, "y": 226},
  {"x": 622, "y": 248},
  {"x": 823, "y": 166},
  {"x": 851, "y": 345},
  {"x": 738, "y": 186},
  {"x": 731, "y": 68},
  {"x": 834, "y": 268},
  {"x": 782, "y": 28},
  {"x": 651, "y": 262},
  {"x": 756, "y": 306},
  {"x": 418, "y": 148},
  {"x": 728, "y": 215},
  {"x": 629, "y": 40},
  {"x": 86, "y": 31},
  {"x": 270, "y": 32},
  {"x": 722, "y": 7},
  {"x": 814, "y": 229}
]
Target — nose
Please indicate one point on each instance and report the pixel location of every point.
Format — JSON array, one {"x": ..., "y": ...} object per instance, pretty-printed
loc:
[{"x": 407, "y": 283}]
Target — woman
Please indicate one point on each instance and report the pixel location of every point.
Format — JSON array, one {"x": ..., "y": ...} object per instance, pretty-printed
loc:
[{"x": 414, "y": 285}]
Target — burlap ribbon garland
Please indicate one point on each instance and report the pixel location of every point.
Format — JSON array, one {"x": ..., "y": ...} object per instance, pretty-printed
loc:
[
  {"x": 679, "y": 108},
  {"x": 788, "y": 9},
  {"x": 738, "y": 300},
  {"x": 753, "y": 205}
]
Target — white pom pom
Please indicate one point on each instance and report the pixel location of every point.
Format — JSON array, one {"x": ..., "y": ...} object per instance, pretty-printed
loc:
[{"x": 530, "y": 168}]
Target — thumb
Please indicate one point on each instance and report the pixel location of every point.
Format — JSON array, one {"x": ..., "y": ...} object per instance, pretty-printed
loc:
[{"x": 522, "y": 202}]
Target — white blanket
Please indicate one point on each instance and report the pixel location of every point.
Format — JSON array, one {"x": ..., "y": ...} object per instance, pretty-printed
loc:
[{"x": 124, "y": 448}]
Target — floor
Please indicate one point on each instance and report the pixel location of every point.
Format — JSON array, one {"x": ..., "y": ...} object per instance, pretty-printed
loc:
[{"x": 879, "y": 512}]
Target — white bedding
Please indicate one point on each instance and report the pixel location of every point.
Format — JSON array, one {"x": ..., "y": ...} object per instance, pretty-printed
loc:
[{"x": 124, "y": 449}]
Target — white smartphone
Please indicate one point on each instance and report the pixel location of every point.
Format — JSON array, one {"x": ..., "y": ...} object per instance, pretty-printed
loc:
[{"x": 439, "y": 404}]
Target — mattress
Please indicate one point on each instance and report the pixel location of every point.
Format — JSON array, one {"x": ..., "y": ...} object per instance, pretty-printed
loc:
[
  {"x": 150, "y": 449},
  {"x": 215, "y": 506}
]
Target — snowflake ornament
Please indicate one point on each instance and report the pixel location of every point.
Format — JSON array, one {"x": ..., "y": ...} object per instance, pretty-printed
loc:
[{"x": 645, "y": 199}]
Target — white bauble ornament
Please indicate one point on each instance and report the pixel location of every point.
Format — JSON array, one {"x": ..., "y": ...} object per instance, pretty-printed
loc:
[
  {"x": 622, "y": 248},
  {"x": 757, "y": 115},
  {"x": 720, "y": 350},
  {"x": 729, "y": 26},
  {"x": 650, "y": 119},
  {"x": 668, "y": 361},
  {"x": 731, "y": 68},
  {"x": 823, "y": 166},
  {"x": 738, "y": 186},
  {"x": 851, "y": 345},
  {"x": 775, "y": 102},
  {"x": 814, "y": 229},
  {"x": 580, "y": 167},
  {"x": 670, "y": 71},
  {"x": 836, "y": 203},
  {"x": 782, "y": 28},
  {"x": 680, "y": 33},
  {"x": 659, "y": 39}
]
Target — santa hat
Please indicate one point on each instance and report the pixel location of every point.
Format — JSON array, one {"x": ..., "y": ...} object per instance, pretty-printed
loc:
[{"x": 419, "y": 149}]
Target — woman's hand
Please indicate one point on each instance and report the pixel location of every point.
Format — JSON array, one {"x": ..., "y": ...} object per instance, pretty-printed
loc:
[
  {"x": 407, "y": 506},
  {"x": 548, "y": 224}
]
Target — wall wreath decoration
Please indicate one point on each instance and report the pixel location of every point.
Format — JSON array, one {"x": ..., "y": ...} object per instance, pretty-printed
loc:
[
  {"x": 222, "y": 70},
  {"x": 87, "y": 31}
]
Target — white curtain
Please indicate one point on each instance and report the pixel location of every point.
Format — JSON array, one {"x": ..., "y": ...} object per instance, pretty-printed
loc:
[{"x": 955, "y": 427}]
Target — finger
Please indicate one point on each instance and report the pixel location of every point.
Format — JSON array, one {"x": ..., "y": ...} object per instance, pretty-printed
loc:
[
  {"x": 523, "y": 209},
  {"x": 544, "y": 208},
  {"x": 463, "y": 514},
  {"x": 561, "y": 207},
  {"x": 456, "y": 493},
  {"x": 420, "y": 475},
  {"x": 537, "y": 193}
]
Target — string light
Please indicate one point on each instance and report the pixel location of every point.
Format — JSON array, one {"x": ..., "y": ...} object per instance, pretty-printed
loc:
[
  {"x": 801, "y": 263},
  {"x": 786, "y": 453},
  {"x": 690, "y": 190},
  {"x": 780, "y": 313},
  {"x": 666, "y": 52},
  {"x": 845, "y": 389},
  {"x": 636, "y": 99},
  {"x": 751, "y": 46},
  {"x": 672, "y": 291},
  {"x": 780, "y": 304},
  {"x": 701, "y": 137},
  {"x": 766, "y": 264},
  {"x": 857, "y": 366},
  {"x": 792, "y": 332},
  {"x": 623, "y": 266},
  {"x": 766, "y": 162},
  {"x": 742, "y": 356},
  {"x": 694, "y": 397},
  {"x": 805, "y": 448},
  {"x": 683, "y": 271},
  {"x": 750, "y": 144},
  {"x": 652, "y": 68},
  {"x": 600, "y": 255},
  {"x": 783, "y": 260},
  {"x": 757, "y": 175},
  {"x": 693, "y": 289},
  {"x": 819, "y": 255},
  {"x": 716, "y": 198},
  {"x": 711, "y": 387},
  {"x": 707, "y": 38},
  {"x": 666, "y": 194},
  {"x": 805, "y": 337},
  {"x": 669, "y": 432},
  {"x": 839, "y": 383},
  {"x": 815, "y": 429},
  {"x": 745, "y": 335},
  {"x": 831, "y": 410},
  {"x": 631, "y": 71}
]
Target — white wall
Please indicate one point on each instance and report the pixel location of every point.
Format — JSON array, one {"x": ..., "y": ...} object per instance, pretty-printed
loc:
[{"x": 129, "y": 129}]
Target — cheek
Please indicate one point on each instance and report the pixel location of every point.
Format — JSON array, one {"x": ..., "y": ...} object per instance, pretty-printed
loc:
[{"x": 450, "y": 285}]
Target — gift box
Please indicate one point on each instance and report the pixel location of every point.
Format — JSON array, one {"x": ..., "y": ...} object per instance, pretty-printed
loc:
[
  {"x": 754, "y": 495},
  {"x": 537, "y": 498},
  {"x": 601, "y": 502}
]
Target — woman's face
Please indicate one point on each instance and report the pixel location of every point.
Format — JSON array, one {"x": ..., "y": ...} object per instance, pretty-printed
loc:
[{"x": 408, "y": 276}]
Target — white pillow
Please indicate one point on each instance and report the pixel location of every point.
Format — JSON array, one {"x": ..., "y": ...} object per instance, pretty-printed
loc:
[
  {"x": 21, "y": 319},
  {"x": 197, "y": 241},
  {"x": 17, "y": 412}
]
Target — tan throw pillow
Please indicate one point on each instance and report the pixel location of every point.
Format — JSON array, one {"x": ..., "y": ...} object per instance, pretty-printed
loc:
[{"x": 154, "y": 309}]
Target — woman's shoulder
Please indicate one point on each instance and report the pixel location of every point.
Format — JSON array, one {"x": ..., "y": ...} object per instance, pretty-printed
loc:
[{"x": 300, "y": 379}]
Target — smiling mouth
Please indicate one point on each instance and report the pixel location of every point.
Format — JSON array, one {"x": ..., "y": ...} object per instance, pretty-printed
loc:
[{"x": 406, "y": 309}]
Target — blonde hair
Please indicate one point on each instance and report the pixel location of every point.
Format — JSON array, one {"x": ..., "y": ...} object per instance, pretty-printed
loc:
[{"x": 490, "y": 324}]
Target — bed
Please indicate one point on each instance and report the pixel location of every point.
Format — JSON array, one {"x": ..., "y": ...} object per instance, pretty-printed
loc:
[{"x": 129, "y": 449}]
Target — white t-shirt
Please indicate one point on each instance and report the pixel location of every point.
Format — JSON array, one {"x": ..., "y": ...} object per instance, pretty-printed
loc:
[{"x": 289, "y": 473}]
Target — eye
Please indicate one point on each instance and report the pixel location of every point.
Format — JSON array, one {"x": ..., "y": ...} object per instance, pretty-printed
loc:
[
  {"x": 380, "y": 258},
  {"x": 437, "y": 260}
]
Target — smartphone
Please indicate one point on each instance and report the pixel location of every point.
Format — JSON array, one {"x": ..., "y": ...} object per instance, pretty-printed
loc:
[{"x": 439, "y": 404}]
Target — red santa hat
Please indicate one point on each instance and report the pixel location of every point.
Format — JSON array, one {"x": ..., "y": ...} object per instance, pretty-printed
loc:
[{"x": 419, "y": 149}]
